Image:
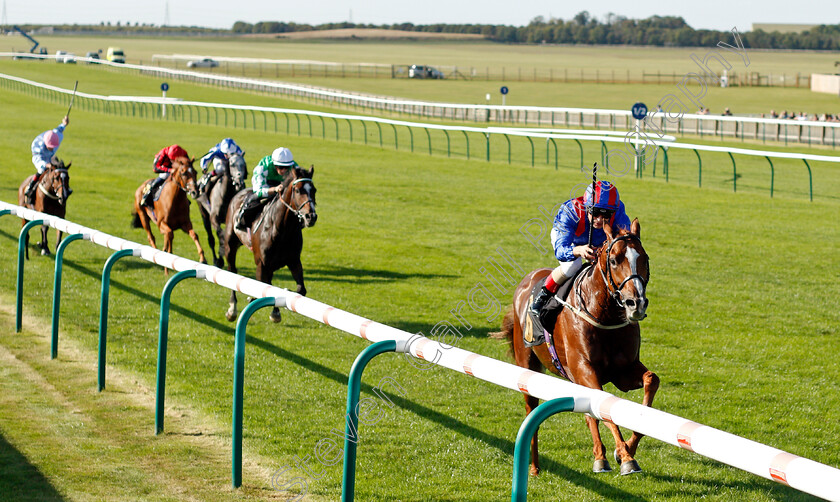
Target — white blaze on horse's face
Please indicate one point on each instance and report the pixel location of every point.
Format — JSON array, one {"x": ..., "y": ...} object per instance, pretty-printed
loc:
[
  {"x": 637, "y": 306},
  {"x": 309, "y": 216}
]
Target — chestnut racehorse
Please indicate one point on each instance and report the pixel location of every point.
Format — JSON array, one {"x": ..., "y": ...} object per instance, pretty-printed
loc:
[
  {"x": 172, "y": 209},
  {"x": 596, "y": 336},
  {"x": 50, "y": 197},
  {"x": 213, "y": 205},
  {"x": 276, "y": 236}
]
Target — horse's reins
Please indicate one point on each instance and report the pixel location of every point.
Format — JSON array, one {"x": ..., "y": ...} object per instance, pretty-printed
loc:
[
  {"x": 582, "y": 312},
  {"x": 308, "y": 199},
  {"x": 47, "y": 192}
]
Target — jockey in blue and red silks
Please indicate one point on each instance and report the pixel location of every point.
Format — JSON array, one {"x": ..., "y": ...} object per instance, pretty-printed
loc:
[
  {"x": 44, "y": 147},
  {"x": 162, "y": 165},
  {"x": 216, "y": 162},
  {"x": 570, "y": 234}
]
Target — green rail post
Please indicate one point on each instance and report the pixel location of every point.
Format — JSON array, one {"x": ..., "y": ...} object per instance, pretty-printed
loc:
[
  {"x": 354, "y": 383},
  {"x": 581, "y": 152},
  {"x": 665, "y": 163},
  {"x": 487, "y": 136},
  {"x": 428, "y": 137},
  {"x": 163, "y": 340},
  {"x": 521, "y": 457},
  {"x": 508, "y": 144},
  {"x": 335, "y": 121},
  {"x": 772, "y": 175},
  {"x": 810, "y": 181},
  {"x": 699, "y": 169},
  {"x": 4, "y": 212},
  {"x": 396, "y": 142},
  {"x": 532, "y": 149},
  {"x": 309, "y": 120},
  {"x": 734, "y": 173},
  {"x": 556, "y": 157},
  {"x": 56, "y": 306},
  {"x": 323, "y": 128},
  {"x": 364, "y": 127},
  {"x": 411, "y": 135},
  {"x": 103, "y": 310},
  {"x": 239, "y": 380},
  {"x": 21, "y": 250},
  {"x": 467, "y": 138},
  {"x": 448, "y": 144},
  {"x": 350, "y": 127},
  {"x": 380, "y": 133},
  {"x": 297, "y": 118}
]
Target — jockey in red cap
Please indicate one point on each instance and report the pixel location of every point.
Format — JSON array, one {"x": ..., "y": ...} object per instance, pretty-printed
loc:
[{"x": 162, "y": 165}]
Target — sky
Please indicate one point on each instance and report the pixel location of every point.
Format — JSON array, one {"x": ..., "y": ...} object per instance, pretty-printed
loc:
[{"x": 706, "y": 14}]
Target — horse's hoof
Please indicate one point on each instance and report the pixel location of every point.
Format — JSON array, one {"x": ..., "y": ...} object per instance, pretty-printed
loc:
[
  {"x": 630, "y": 467},
  {"x": 275, "y": 315},
  {"x": 45, "y": 252},
  {"x": 230, "y": 315},
  {"x": 219, "y": 263},
  {"x": 203, "y": 261},
  {"x": 535, "y": 471},
  {"x": 601, "y": 466}
]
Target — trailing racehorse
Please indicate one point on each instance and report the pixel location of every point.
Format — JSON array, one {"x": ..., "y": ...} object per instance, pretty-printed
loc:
[
  {"x": 596, "y": 337},
  {"x": 50, "y": 197},
  {"x": 276, "y": 236},
  {"x": 171, "y": 211},
  {"x": 213, "y": 205}
]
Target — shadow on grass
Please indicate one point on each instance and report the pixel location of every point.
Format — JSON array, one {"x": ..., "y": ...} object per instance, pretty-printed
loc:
[
  {"x": 19, "y": 479},
  {"x": 361, "y": 275}
]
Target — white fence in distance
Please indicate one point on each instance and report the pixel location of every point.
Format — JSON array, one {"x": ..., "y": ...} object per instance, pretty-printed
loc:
[{"x": 764, "y": 129}]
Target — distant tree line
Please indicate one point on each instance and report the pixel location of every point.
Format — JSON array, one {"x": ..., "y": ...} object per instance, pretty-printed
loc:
[{"x": 664, "y": 31}]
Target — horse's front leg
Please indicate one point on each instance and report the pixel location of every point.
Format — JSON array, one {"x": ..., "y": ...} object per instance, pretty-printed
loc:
[
  {"x": 231, "y": 312},
  {"x": 45, "y": 248},
  {"x": 208, "y": 227},
  {"x": 588, "y": 378},
  {"x": 189, "y": 230},
  {"x": 168, "y": 237},
  {"x": 639, "y": 376},
  {"x": 220, "y": 261},
  {"x": 296, "y": 268},
  {"x": 264, "y": 274}
]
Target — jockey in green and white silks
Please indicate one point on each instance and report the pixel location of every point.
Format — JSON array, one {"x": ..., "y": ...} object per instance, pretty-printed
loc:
[
  {"x": 570, "y": 234},
  {"x": 267, "y": 181}
]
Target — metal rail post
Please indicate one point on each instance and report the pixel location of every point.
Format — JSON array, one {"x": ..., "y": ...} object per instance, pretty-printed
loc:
[
  {"x": 734, "y": 173},
  {"x": 239, "y": 380},
  {"x": 772, "y": 175},
  {"x": 163, "y": 338},
  {"x": 21, "y": 250},
  {"x": 56, "y": 306},
  {"x": 354, "y": 382},
  {"x": 103, "y": 310},
  {"x": 521, "y": 457}
]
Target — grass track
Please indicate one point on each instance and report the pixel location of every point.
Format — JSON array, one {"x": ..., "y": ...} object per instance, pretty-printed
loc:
[{"x": 743, "y": 326}]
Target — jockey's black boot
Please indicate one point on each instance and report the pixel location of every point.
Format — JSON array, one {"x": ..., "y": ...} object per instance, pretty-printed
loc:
[
  {"x": 240, "y": 217},
  {"x": 29, "y": 194},
  {"x": 149, "y": 194},
  {"x": 540, "y": 300}
]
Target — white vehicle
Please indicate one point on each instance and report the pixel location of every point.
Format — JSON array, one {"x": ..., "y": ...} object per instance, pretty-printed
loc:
[
  {"x": 65, "y": 57},
  {"x": 203, "y": 63}
]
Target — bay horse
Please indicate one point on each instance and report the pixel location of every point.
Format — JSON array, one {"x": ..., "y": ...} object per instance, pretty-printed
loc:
[
  {"x": 50, "y": 197},
  {"x": 213, "y": 205},
  {"x": 172, "y": 209},
  {"x": 596, "y": 336},
  {"x": 276, "y": 236}
]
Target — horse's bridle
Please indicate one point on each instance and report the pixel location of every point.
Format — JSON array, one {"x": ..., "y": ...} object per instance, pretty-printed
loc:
[
  {"x": 59, "y": 172},
  {"x": 296, "y": 210},
  {"x": 608, "y": 278}
]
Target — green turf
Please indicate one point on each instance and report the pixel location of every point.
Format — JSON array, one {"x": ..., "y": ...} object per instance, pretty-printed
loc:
[{"x": 742, "y": 327}]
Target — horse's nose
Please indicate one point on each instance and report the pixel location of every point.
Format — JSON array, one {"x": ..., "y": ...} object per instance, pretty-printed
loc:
[
  {"x": 636, "y": 308},
  {"x": 311, "y": 218}
]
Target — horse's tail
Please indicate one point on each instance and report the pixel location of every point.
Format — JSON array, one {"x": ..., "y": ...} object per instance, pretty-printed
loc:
[
  {"x": 506, "y": 332},
  {"x": 135, "y": 220}
]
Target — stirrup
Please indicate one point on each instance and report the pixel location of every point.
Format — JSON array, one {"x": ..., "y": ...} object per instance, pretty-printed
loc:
[{"x": 540, "y": 301}]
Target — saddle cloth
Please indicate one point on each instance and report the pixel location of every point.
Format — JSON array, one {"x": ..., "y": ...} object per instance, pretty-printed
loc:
[{"x": 535, "y": 332}]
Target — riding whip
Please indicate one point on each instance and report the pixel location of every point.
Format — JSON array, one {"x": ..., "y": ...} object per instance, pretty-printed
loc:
[
  {"x": 73, "y": 98},
  {"x": 592, "y": 205}
]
